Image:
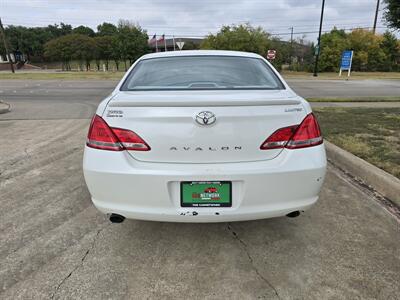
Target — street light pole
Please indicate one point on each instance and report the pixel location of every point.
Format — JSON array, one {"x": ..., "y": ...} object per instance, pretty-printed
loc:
[
  {"x": 376, "y": 16},
  {"x": 319, "y": 40},
  {"x": 3, "y": 34}
]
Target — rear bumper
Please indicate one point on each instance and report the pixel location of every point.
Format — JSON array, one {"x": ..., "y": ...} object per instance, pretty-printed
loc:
[{"x": 151, "y": 191}]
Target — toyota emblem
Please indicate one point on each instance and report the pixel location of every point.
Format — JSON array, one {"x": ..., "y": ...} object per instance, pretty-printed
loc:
[{"x": 205, "y": 118}]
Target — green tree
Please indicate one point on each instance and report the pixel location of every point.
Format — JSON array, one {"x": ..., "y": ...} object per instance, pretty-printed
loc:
[
  {"x": 59, "y": 30},
  {"x": 282, "y": 55},
  {"x": 332, "y": 45},
  {"x": 391, "y": 47},
  {"x": 239, "y": 38},
  {"x": 19, "y": 39},
  {"x": 244, "y": 37},
  {"x": 104, "y": 47},
  {"x": 84, "y": 49},
  {"x": 132, "y": 41},
  {"x": 368, "y": 54},
  {"x": 71, "y": 46},
  {"x": 392, "y": 13},
  {"x": 112, "y": 50},
  {"x": 39, "y": 36},
  {"x": 60, "y": 49},
  {"x": 84, "y": 30},
  {"x": 301, "y": 55},
  {"x": 107, "y": 29},
  {"x": 372, "y": 52},
  {"x": 30, "y": 41},
  {"x": 116, "y": 54}
]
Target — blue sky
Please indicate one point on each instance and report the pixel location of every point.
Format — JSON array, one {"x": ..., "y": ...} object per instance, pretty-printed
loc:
[{"x": 195, "y": 18}]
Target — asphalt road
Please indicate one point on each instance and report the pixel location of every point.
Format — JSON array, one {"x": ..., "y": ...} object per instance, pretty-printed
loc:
[
  {"x": 55, "y": 244},
  {"x": 60, "y": 99}
]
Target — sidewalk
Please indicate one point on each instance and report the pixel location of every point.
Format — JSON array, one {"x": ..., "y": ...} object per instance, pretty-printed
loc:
[{"x": 356, "y": 104}]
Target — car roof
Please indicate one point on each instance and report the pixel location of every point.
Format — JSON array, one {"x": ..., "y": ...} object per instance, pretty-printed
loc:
[{"x": 200, "y": 53}]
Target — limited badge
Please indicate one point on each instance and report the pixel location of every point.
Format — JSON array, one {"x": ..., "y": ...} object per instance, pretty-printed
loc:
[{"x": 115, "y": 113}]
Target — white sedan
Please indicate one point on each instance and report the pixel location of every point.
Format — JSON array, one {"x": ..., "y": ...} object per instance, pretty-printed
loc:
[{"x": 203, "y": 136}]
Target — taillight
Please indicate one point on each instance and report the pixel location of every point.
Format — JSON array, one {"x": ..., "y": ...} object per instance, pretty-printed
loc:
[
  {"x": 100, "y": 136},
  {"x": 130, "y": 140},
  {"x": 103, "y": 137},
  {"x": 279, "y": 138},
  {"x": 306, "y": 134}
]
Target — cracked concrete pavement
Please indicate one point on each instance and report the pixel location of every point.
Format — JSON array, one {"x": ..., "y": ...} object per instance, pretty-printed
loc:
[
  {"x": 78, "y": 265},
  {"x": 55, "y": 244},
  {"x": 230, "y": 228}
]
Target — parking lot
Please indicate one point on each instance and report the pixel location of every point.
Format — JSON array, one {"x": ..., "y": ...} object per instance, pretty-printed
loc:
[{"x": 55, "y": 244}]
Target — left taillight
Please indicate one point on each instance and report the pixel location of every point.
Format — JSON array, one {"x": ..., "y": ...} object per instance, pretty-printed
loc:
[
  {"x": 307, "y": 134},
  {"x": 101, "y": 136}
]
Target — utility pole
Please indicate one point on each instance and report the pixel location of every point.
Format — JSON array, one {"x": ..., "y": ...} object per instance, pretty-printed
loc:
[
  {"x": 376, "y": 16},
  {"x": 3, "y": 34},
  {"x": 291, "y": 34},
  {"x": 291, "y": 45},
  {"x": 319, "y": 40}
]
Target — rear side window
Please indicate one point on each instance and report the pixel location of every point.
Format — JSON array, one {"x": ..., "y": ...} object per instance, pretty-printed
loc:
[{"x": 201, "y": 72}]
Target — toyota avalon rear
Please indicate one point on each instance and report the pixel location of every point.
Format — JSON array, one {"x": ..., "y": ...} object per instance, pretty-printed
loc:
[{"x": 203, "y": 136}]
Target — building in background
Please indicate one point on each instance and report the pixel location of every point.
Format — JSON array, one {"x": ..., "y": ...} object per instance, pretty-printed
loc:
[
  {"x": 161, "y": 43},
  {"x": 16, "y": 56}
]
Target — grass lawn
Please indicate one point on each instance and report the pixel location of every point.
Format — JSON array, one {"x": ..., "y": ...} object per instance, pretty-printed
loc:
[
  {"x": 357, "y": 99},
  {"x": 50, "y": 75},
  {"x": 334, "y": 75},
  {"x": 370, "y": 133}
]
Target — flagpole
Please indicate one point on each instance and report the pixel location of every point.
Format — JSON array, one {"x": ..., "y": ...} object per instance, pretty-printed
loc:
[{"x": 165, "y": 44}]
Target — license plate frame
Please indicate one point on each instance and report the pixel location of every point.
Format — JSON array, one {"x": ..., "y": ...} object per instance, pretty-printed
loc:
[{"x": 210, "y": 199}]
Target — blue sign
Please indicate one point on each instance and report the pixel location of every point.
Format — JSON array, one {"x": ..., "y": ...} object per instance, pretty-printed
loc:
[{"x": 347, "y": 57}]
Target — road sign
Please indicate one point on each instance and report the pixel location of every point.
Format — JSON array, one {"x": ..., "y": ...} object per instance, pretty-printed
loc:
[
  {"x": 316, "y": 50},
  {"x": 180, "y": 45},
  {"x": 271, "y": 54},
  {"x": 345, "y": 64},
  {"x": 347, "y": 57}
]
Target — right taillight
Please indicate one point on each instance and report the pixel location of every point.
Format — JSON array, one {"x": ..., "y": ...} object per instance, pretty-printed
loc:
[
  {"x": 307, "y": 134},
  {"x": 103, "y": 137}
]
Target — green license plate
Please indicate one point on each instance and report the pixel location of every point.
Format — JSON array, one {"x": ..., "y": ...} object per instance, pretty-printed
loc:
[{"x": 206, "y": 194}]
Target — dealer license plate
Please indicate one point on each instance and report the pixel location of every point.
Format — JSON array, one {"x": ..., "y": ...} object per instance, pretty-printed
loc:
[{"x": 206, "y": 194}]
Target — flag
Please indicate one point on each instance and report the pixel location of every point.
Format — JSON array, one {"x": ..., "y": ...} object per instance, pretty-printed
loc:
[
  {"x": 153, "y": 39},
  {"x": 161, "y": 40}
]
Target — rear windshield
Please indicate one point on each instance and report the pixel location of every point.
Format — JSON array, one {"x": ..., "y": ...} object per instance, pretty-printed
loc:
[{"x": 201, "y": 72}]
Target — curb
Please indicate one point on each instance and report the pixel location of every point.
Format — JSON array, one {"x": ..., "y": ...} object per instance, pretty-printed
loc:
[
  {"x": 4, "y": 107},
  {"x": 383, "y": 182}
]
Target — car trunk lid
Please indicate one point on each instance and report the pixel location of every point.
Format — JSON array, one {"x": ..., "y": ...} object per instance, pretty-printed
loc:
[{"x": 166, "y": 120}]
